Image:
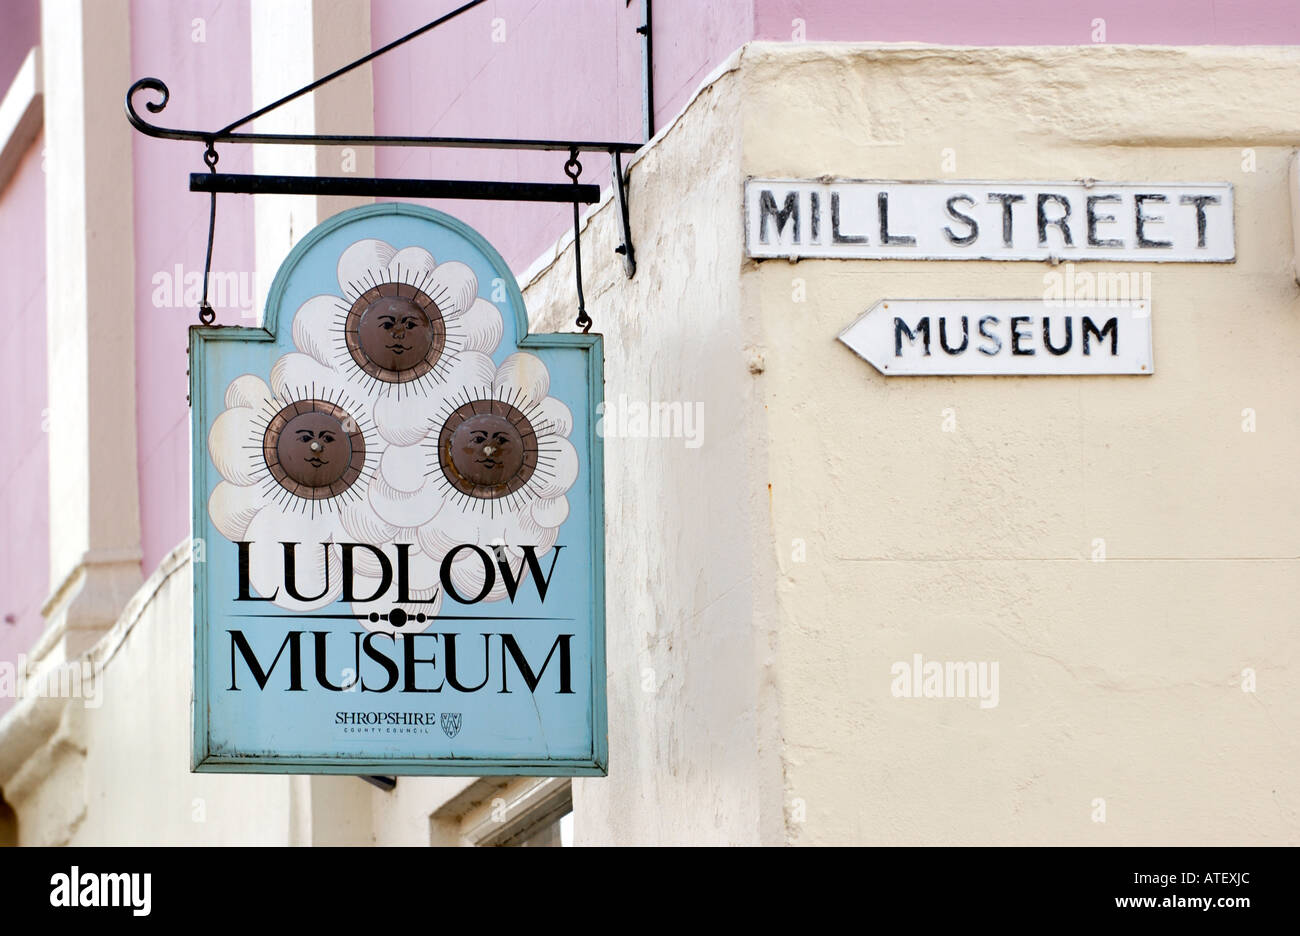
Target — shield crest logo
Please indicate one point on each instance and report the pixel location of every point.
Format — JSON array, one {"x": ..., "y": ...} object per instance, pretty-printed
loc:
[{"x": 451, "y": 724}]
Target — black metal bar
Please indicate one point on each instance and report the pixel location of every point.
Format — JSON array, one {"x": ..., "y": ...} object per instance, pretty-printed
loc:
[
  {"x": 648, "y": 70},
  {"x": 387, "y": 784},
  {"x": 305, "y": 89},
  {"x": 394, "y": 188},
  {"x": 620, "y": 203},
  {"x": 334, "y": 139}
]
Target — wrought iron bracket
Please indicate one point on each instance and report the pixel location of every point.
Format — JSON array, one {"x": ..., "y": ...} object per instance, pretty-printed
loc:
[
  {"x": 213, "y": 182},
  {"x": 620, "y": 202}
]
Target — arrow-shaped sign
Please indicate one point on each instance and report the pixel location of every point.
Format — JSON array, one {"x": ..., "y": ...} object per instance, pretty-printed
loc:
[{"x": 917, "y": 337}]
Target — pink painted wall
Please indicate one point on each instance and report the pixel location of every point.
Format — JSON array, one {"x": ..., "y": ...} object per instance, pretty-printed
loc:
[
  {"x": 24, "y": 456},
  {"x": 20, "y": 29},
  {"x": 567, "y": 69},
  {"x": 210, "y": 86},
  {"x": 1034, "y": 22},
  {"x": 690, "y": 40}
]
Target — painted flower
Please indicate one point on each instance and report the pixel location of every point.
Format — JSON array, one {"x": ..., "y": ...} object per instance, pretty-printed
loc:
[
  {"x": 288, "y": 465},
  {"x": 402, "y": 334},
  {"x": 505, "y": 465},
  {"x": 391, "y": 429},
  {"x": 494, "y": 472}
]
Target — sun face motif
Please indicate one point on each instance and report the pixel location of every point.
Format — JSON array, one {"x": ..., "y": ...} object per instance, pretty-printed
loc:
[
  {"x": 496, "y": 448},
  {"x": 487, "y": 449},
  {"x": 497, "y": 470},
  {"x": 395, "y": 332},
  {"x": 389, "y": 425},
  {"x": 291, "y": 465},
  {"x": 308, "y": 449},
  {"x": 314, "y": 449},
  {"x": 402, "y": 334}
]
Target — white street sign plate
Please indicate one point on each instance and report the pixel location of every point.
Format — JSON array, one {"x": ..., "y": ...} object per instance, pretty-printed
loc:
[
  {"x": 1126, "y": 221},
  {"x": 920, "y": 337}
]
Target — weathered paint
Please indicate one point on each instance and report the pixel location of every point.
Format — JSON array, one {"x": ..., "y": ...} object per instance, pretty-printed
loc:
[{"x": 24, "y": 459}]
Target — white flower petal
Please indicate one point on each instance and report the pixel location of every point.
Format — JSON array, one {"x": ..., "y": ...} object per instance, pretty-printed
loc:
[
  {"x": 231, "y": 433},
  {"x": 273, "y": 526},
  {"x": 232, "y": 507},
  {"x": 407, "y": 535},
  {"x": 362, "y": 525},
  {"x": 411, "y": 265},
  {"x": 452, "y": 286},
  {"x": 554, "y": 416},
  {"x": 514, "y": 530},
  {"x": 472, "y": 370},
  {"x": 551, "y": 511},
  {"x": 402, "y": 420},
  {"x": 301, "y": 375},
  {"x": 482, "y": 327},
  {"x": 247, "y": 390},
  {"x": 405, "y": 467},
  {"x": 403, "y": 508},
  {"x": 421, "y": 572},
  {"x": 468, "y": 574},
  {"x": 317, "y": 327},
  {"x": 558, "y": 468},
  {"x": 363, "y": 265},
  {"x": 522, "y": 374},
  {"x": 454, "y": 526},
  {"x": 365, "y": 563},
  {"x": 528, "y": 532}
]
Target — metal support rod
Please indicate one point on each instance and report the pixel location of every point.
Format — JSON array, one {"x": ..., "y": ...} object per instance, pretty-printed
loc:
[
  {"x": 393, "y": 188},
  {"x": 227, "y": 135},
  {"x": 213, "y": 182},
  {"x": 387, "y": 784},
  {"x": 308, "y": 88},
  {"x": 647, "y": 71},
  {"x": 332, "y": 139},
  {"x": 620, "y": 203}
]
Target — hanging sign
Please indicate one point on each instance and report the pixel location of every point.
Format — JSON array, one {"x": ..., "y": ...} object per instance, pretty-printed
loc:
[
  {"x": 399, "y": 494},
  {"x": 915, "y": 337},
  {"x": 1132, "y": 221}
]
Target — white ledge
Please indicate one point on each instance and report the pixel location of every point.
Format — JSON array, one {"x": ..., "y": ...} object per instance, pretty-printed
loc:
[{"x": 21, "y": 115}]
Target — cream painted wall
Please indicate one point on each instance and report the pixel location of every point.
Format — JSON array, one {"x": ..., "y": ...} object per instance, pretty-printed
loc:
[{"x": 1119, "y": 680}]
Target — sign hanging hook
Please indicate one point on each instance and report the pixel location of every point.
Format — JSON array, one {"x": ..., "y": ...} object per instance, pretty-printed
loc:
[
  {"x": 206, "y": 313},
  {"x": 573, "y": 169}
]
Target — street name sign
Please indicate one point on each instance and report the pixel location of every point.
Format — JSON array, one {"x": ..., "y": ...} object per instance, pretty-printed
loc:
[
  {"x": 931, "y": 337},
  {"x": 864, "y": 220}
]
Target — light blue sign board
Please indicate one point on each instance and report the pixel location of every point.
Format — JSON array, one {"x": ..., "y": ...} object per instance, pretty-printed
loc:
[{"x": 395, "y": 342}]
